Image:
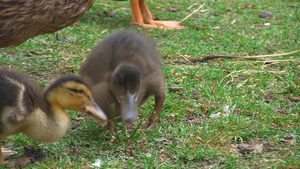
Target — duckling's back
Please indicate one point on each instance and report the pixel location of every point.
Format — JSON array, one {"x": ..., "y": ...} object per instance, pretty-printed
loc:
[
  {"x": 18, "y": 97},
  {"x": 122, "y": 47}
]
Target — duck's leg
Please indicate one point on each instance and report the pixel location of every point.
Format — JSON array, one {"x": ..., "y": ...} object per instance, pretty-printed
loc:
[
  {"x": 1, "y": 155},
  {"x": 159, "y": 101},
  {"x": 141, "y": 14}
]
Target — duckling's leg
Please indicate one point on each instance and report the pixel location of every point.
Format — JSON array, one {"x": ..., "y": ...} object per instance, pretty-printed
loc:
[
  {"x": 140, "y": 13},
  {"x": 159, "y": 101}
]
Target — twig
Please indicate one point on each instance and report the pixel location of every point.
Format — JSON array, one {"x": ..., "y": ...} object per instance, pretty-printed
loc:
[
  {"x": 186, "y": 59},
  {"x": 210, "y": 57},
  {"x": 189, "y": 15},
  {"x": 273, "y": 61}
]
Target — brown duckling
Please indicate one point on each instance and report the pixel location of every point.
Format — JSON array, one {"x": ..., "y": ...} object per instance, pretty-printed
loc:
[
  {"x": 25, "y": 108},
  {"x": 125, "y": 69}
]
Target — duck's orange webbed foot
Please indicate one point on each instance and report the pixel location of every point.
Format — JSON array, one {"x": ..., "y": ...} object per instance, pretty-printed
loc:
[{"x": 142, "y": 17}]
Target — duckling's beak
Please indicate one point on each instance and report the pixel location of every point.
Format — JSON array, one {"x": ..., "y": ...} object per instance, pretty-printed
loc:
[
  {"x": 129, "y": 108},
  {"x": 95, "y": 111}
]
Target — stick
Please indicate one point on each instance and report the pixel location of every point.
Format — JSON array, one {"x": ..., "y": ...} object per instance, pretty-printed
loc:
[
  {"x": 189, "y": 15},
  {"x": 210, "y": 57}
]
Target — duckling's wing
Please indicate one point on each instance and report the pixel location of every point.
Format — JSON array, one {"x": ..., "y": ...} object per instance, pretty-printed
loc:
[{"x": 18, "y": 97}]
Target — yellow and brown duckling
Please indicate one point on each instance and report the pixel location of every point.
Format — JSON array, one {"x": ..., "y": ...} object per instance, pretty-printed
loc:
[
  {"x": 124, "y": 70},
  {"x": 25, "y": 108}
]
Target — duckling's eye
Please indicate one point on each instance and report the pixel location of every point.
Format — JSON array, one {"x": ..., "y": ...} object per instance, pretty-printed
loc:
[{"x": 79, "y": 91}]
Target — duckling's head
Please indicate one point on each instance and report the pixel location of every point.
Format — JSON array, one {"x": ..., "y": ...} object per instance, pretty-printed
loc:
[
  {"x": 125, "y": 85},
  {"x": 70, "y": 92}
]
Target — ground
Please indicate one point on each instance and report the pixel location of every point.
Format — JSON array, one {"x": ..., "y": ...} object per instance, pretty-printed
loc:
[{"x": 219, "y": 113}]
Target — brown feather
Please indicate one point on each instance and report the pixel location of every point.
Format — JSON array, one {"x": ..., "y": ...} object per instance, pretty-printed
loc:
[{"x": 23, "y": 19}]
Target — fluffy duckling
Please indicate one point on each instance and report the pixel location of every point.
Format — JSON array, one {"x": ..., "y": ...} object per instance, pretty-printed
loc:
[
  {"x": 24, "y": 108},
  {"x": 125, "y": 69}
]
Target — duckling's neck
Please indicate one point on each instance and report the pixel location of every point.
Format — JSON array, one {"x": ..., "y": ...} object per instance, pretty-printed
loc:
[{"x": 48, "y": 126}]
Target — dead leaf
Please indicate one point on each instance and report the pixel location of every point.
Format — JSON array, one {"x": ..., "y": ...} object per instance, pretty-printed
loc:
[
  {"x": 265, "y": 15},
  {"x": 175, "y": 89},
  {"x": 99, "y": 13},
  {"x": 295, "y": 99},
  {"x": 109, "y": 13},
  {"x": 173, "y": 9},
  {"x": 247, "y": 6},
  {"x": 250, "y": 148},
  {"x": 269, "y": 92},
  {"x": 288, "y": 139},
  {"x": 162, "y": 140},
  {"x": 196, "y": 94},
  {"x": 291, "y": 89}
]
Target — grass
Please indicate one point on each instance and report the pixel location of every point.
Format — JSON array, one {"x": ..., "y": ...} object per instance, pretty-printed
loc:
[{"x": 257, "y": 93}]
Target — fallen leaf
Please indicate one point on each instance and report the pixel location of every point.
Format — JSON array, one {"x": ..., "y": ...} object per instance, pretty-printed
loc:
[
  {"x": 175, "y": 89},
  {"x": 99, "y": 13},
  {"x": 196, "y": 94},
  {"x": 162, "y": 140},
  {"x": 288, "y": 139},
  {"x": 291, "y": 89},
  {"x": 265, "y": 15},
  {"x": 269, "y": 92},
  {"x": 250, "y": 148},
  {"x": 173, "y": 9},
  {"x": 295, "y": 99},
  {"x": 109, "y": 13}
]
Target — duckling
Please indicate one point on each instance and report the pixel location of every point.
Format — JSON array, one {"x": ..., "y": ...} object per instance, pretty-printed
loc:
[
  {"x": 25, "y": 108},
  {"x": 124, "y": 70}
]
